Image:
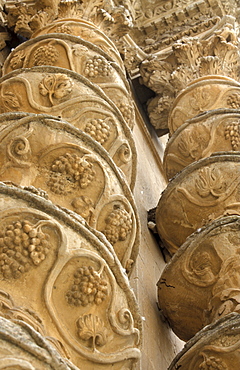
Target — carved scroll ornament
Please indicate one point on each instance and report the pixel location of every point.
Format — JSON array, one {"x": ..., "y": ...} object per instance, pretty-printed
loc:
[
  {"x": 215, "y": 347},
  {"x": 70, "y": 96},
  {"x": 208, "y": 93},
  {"x": 201, "y": 193},
  {"x": 74, "y": 171},
  {"x": 201, "y": 282},
  {"x": 80, "y": 56},
  {"x": 78, "y": 290},
  {"x": 86, "y": 31},
  {"x": 200, "y": 137}
]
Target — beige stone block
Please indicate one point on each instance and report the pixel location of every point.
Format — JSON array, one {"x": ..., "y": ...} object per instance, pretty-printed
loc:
[
  {"x": 85, "y": 30},
  {"x": 204, "y": 94}
]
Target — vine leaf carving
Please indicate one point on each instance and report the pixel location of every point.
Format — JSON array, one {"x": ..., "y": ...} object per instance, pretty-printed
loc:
[
  {"x": 56, "y": 86},
  {"x": 10, "y": 101},
  {"x": 91, "y": 328},
  {"x": 210, "y": 183}
]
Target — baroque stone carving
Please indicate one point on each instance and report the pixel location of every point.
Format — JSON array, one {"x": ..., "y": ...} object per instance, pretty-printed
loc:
[
  {"x": 22, "y": 347},
  {"x": 80, "y": 291},
  {"x": 202, "y": 95},
  {"x": 205, "y": 271},
  {"x": 74, "y": 171},
  {"x": 86, "y": 31},
  {"x": 67, "y": 95},
  {"x": 199, "y": 137},
  {"x": 188, "y": 60},
  {"x": 80, "y": 56},
  {"x": 201, "y": 193},
  {"x": 31, "y": 16},
  {"x": 214, "y": 347}
]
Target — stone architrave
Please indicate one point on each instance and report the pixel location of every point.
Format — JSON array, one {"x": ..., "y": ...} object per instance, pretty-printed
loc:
[
  {"x": 66, "y": 94},
  {"x": 201, "y": 282},
  {"x": 204, "y": 191},
  {"x": 211, "y": 132},
  {"x": 215, "y": 347},
  {"x": 74, "y": 171},
  {"x": 78, "y": 55},
  {"x": 67, "y": 274}
]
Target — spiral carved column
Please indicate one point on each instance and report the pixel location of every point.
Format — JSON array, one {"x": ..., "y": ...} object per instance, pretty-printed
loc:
[
  {"x": 70, "y": 229},
  {"x": 198, "y": 214}
]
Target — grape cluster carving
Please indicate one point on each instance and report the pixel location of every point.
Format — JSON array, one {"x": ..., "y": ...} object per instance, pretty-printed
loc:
[
  {"x": 45, "y": 55},
  {"x": 68, "y": 172},
  {"x": 98, "y": 129},
  {"x": 212, "y": 363},
  {"x": 64, "y": 29},
  {"x": 232, "y": 132},
  {"x": 127, "y": 112},
  {"x": 22, "y": 245},
  {"x": 88, "y": 288},
  {"x": 97, "y": 66},
  {"x": 118, "y": 225}
]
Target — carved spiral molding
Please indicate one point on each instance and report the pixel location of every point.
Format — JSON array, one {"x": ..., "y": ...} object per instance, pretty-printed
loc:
[
  {"x": 80, "y": 56},
  {"x": 70, "y": 96},
  {"x": 73, "y": 146},
  {"x": 74, "y": 171},
  {"x": 75, "y": 281}
]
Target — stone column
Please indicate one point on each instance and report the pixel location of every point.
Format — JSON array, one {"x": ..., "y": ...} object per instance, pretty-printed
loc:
[
  {"x": 65, "y": 135},
  {"x": 197, "y": 216}
]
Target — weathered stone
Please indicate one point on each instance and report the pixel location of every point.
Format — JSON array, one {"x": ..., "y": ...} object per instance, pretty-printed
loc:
[
  {"x": 201, "y": 282},
  {"x": 68, "y": 95},
  {"x": 205, "y": 94},
  {"x": 201, "y": 193},
  {"x": 74, "y": 171},
  {"x": 215, "y": 347},
  {"x": 73, "y": 53},
  {"x": 56, "y": 266},
  {"x": 23, "y": 347},
  {"x": 86, "y": 31},
  {"x": 214, "y": 131}
]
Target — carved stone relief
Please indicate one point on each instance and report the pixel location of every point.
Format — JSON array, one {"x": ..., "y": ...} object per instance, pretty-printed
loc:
[
  {"x": 190, "y": 58},
  {"x": 23, "y": 348},
  {"x": 214, "y": 131},
  {"x": 86, "y": 31},
  {"x": 74, "y": 171},
  {"x": 207, "y": 93},
  {"x": 76, "y": 283},
  {"x": 201, "y": 282},
  {"x": 201, "y": 193},
  {"x": 215, "y": 347},
  {"x": 80, "y": 56},
  {"x": 27, "y": 18},
  {"x": 70, "y": 96}
]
